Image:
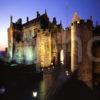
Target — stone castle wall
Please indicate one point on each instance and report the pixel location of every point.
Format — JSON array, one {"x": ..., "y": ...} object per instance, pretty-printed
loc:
[{"x": 81, "y": 34}]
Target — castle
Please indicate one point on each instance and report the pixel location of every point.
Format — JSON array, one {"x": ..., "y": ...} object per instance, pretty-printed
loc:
[
  {"x": 43, "y": 43},
  {"x": 37, "y": 41}
]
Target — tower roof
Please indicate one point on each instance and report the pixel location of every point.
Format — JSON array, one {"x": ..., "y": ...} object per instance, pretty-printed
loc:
[{"x": 75, "y": 17}]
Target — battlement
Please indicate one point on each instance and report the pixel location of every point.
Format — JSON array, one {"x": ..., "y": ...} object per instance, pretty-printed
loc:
[
  {"x": 68, "y": 29},
  {"x": 88, "y": 23}
]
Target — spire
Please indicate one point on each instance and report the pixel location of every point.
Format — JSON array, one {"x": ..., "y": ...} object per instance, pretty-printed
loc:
[
  {"x": 11, "y": 19},
  {"x": 75, "y": 17},
  {"x": 45, "y": 11}
]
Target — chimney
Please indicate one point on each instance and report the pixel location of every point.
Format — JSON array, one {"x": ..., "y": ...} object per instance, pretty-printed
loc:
[
  {"x": 54, "y": 20},
  {"x": 38, "y": 14}
]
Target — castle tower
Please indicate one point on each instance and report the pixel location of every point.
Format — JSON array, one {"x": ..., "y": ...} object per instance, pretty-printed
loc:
[
  {"x": 10, "y": 39},
  {"x": 75, "y": 40},
  {"x": 81, "y": 33}
]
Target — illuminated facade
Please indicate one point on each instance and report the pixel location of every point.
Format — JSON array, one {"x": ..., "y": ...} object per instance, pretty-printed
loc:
[
  {"x": 66, "y": 47},
  {"x": 81, "y": 34},
  {"x": 37, "y": 41},
  {"x": 42, "y": 42}
]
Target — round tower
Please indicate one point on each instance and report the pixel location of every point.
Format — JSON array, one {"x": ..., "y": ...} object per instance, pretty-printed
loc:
[
  {"x": 81, "y": 34},
  {"x": 75, "y": 40}
]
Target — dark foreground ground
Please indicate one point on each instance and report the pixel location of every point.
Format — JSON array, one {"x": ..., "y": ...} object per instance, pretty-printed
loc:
[
  {"x": 74, "y": 89},
  {"x": 71, "y": 89},
  {"x": 54, "y": 86}
]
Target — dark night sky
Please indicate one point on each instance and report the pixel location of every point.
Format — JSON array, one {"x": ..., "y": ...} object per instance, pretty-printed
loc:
[{"x": 61, "y": 9}]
